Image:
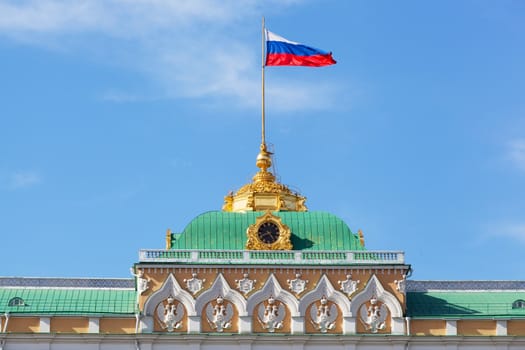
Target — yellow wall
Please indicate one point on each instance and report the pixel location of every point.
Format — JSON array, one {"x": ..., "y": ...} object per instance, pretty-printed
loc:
[
  {"x": 23, "y": 324},
  {"x": 516, "y": 327},
  {"x": 427, "y": 327},
  {"x": 69, "y": 325},
  {"x": 117, "y": 325},
  {"x": 475, "y": 327}
]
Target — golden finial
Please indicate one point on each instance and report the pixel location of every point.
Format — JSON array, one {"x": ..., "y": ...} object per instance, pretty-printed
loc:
[
  {"x": 263, "y": 162},
  {"x": 361, "y": 237},
  {"x": 168, "y": 239}
]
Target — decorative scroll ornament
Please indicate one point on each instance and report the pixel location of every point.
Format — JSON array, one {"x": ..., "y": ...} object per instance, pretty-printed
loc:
[
  {"x": 170, "y": 314},
  {"x": 374, "y": 316},
  {"x": 142, "y": 283},
  {"x": 348, "y": 286},
  {"x": 194, "y": 284},
  {"x": 297, "y": 285},
  {"x": 323, "y": 315},
  {"x": 280, "y": 240},
  {"x": 401, "y": 284},
  {"x": 245, "y": 285},
  {"x": 219, "y": 315},
  {"x": 271, "y": 315}
]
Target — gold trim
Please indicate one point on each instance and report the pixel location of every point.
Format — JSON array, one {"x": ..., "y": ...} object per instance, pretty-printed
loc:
[{"x": 282, "y": 243}]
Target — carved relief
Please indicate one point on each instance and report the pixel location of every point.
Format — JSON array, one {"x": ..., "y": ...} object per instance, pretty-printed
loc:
[
  {"x": 221, "y": 306},
  {"x": 377, "y": 309},
  {"x": 297, "y": 285},
  {"x": 245, "y": 285},
  {"x": 271, "y": 314},
  {"x": 323, "y": 315},
  {"x": 348, "y": 286},
  {"x": 219, "y": 314},
  {"x": 281, "y": 297},
  {"x": 194, "y": 285},
  {"x": 169, "y": 314},
  {"x": 401, "y": 284},
  {"x": 374, "y": 315},
  {"x": 142, "y": 283}
]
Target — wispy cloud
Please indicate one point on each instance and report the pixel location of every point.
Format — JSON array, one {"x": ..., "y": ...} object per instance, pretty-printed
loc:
[
  {"x": 188, "y": 48},
  {"x": 516, "y": 153},
  {"x": 514, "y": 231},
  {"x": 23, "y": 179}
]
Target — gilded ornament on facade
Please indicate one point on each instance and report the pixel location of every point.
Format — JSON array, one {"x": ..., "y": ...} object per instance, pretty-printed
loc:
[
  {"x": 279, "y": 238},
  {"x": 168, "y": 239},
  {"x": 361, "y": 237},
  {"x": 264, "y": 192},
  {"x": 228, "y": 202}
]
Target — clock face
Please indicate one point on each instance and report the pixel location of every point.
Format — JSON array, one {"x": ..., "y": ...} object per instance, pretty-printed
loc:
[{"x": 268, "y": 232}]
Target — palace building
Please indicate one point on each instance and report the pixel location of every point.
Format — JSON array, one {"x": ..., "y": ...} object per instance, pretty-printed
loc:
[{"x": 263, "y": 272}]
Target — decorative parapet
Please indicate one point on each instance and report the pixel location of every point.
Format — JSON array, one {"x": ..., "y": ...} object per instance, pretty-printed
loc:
[{"x": 247, "y": 257}]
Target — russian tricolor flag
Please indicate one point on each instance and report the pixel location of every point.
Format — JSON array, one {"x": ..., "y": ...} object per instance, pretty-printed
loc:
[{"x": 283, "y": 52}]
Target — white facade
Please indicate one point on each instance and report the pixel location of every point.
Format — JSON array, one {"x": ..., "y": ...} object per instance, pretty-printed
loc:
[{"x": 259, "y": 342}]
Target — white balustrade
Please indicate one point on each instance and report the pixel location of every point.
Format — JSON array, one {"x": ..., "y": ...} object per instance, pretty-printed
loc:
[{"x": 357, "y": 257}]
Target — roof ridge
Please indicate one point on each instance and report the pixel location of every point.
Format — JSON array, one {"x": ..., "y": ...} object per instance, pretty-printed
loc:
[
  {"x": 466, "y": 285},
  {"x": 66, "y": 282}
]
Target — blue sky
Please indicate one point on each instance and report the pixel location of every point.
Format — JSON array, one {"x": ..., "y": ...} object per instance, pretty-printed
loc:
[{"x": 120, "y": 119}]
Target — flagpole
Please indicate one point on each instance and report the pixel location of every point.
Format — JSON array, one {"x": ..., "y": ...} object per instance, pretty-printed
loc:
[{"x": 263, "y": 140}]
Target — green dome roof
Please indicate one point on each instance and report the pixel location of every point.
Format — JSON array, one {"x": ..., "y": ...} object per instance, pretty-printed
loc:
[{"x": 218, "y": 230}]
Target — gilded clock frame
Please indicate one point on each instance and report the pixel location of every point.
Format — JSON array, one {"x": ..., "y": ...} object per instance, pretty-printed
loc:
[{"x": 282, "y": 243}]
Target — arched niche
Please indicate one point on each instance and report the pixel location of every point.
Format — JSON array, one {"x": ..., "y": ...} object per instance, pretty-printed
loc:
[
  {"x": 170, "y": 287},
  {"x": 325, "y": 288},
  {"x": 274, "y": 289},
  {"x": 220, "y": 287}
]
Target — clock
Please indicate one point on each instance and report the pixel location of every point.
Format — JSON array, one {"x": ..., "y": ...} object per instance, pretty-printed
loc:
[{"x": 268, "y": 232}]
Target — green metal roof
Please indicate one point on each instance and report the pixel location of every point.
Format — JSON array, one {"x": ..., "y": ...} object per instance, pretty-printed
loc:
[
  {"x": 464, "y": 304},
  {"x": 68, "y": 301},
  {"x": 217, "y": 230}
]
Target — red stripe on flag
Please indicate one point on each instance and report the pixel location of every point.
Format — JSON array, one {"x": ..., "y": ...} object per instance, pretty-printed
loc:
[{"x": 283, "y": 59}]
